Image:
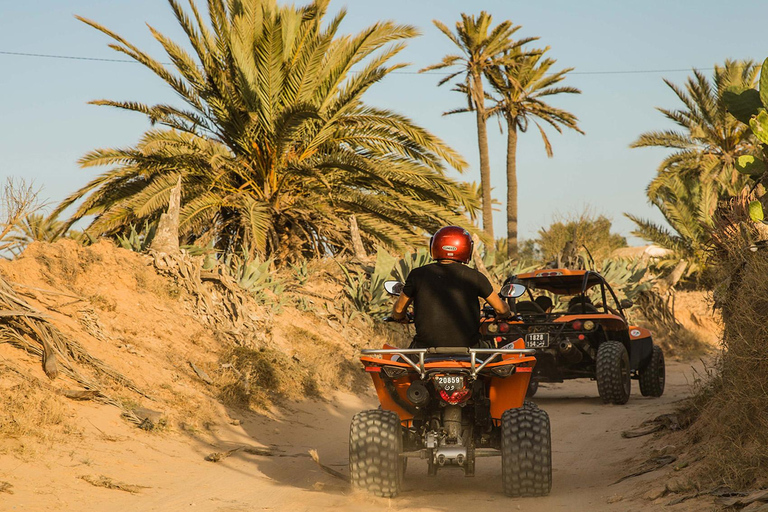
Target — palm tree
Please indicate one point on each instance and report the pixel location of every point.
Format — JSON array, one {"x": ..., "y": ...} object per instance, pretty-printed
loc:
[
  {"x": 688, "y": 205},
  {"x": 34, "y": 227},
  {"x": 709, "y": 139},
  {"x": 275, "y": 146},
  {"x": 523, "y": 84},
  {"x": 481, "y": 49}
]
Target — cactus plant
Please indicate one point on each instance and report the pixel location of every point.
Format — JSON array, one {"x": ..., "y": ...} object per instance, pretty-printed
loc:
[{"x": 750, "y": 106}]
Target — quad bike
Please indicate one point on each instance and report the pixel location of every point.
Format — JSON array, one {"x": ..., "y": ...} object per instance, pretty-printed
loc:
[{"x": 452, "y": 406}]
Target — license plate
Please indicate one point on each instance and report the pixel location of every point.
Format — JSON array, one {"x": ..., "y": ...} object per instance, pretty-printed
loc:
[
  {"x": 537, "y": 340},
  {"x": 450, "y": 382}
]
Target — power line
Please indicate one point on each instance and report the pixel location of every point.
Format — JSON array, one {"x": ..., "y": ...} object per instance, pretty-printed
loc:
[{"x": 615, "y": 72}]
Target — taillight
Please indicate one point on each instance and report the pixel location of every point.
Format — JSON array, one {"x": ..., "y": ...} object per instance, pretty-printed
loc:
[
  {"x": 589, "y": 325},
  {"x": 456, "y": 397},
  {"x": 503, "y": 327},
  {"x": 452, "y": 388},
  {"x": 576, "y": 325}
]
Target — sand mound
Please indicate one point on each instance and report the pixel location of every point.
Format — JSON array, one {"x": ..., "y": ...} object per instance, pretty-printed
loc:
[{"x": 147, "y": 327}]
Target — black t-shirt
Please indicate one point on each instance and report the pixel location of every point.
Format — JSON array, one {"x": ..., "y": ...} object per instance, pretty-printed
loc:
[{"x": 446, "y": 309}]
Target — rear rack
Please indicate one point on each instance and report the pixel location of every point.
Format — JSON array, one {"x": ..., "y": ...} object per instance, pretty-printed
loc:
[{"x": 452, "y": 351}]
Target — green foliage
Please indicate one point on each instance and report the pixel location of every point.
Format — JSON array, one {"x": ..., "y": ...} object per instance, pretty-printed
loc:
[
  {"x": 407, "y": 263},
  {"x": 709, "y": 140},
  {"x": 584, "y": 230},
  {"x": 687, "y": 206},
  {"x": 741, "y": 102},
  {"x": 759, "y": 125},
  {"x": 750, "y": 165},
  {"x": 137, "y": 241},
  {"x": 627, "y": 278},
  {"x": 365, "y": 289},
  {"x": 273, "y": 142},
  {"x": 756, "y": 211},
  {"x": 255, "y": 277},
  {"x": 301, "y": 272},
  {"x": 499, "y": 265}
]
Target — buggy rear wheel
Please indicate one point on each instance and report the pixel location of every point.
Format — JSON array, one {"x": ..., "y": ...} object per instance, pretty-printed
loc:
[
  {"x": 653, "y": 376},
  {"x": 526, "y": 452},
  {"x": 375, "y": 444},
  {"x": 613, "y": 374}
]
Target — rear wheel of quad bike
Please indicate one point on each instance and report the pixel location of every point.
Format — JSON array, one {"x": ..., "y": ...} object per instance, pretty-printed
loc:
[
  {"x": 533, "y": 387},
  {"x": 613, "y": 375},
  {"x": 526, "y": 452},
  {"x": 375, "y": 444},
  {"x": 652, "y": 377}
]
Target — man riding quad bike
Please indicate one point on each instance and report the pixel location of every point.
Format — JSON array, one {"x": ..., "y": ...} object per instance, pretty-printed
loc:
[
  {"x": 454, "y": 395},
  {"x": 586, "y": 334}
]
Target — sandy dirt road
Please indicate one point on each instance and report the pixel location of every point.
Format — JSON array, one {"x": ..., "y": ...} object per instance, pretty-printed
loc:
[{"x": 589, "y": 454}]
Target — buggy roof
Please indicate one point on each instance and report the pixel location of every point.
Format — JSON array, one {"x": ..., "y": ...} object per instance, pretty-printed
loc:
[{"x": 561, "y": 281}]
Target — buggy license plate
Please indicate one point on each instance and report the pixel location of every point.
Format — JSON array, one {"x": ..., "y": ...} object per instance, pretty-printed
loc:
[
  {"x": 450, "y": 382},
  {"x": 537, "y": 340}
]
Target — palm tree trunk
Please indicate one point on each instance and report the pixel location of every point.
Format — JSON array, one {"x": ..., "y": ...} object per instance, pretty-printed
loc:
[
  {"x": 482, "y": 145},
  {"x": 511, "y": 189}
]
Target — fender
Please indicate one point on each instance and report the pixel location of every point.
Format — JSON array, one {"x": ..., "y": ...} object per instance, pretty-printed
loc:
[{"x": 640, "y": 347}]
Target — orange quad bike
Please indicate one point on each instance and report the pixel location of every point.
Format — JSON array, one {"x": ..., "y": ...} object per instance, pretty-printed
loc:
[{"x": 451, "y": 406}]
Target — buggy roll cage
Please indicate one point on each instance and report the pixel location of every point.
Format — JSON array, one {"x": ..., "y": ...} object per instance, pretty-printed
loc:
[{"x": 585, "y": 281}]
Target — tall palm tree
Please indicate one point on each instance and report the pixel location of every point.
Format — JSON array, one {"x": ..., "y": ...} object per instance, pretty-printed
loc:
[
  {"x": 687, "y": 204},
  {"x": 523, "y": 83},
  {"x": 709, "y": 139},
  {"x": 481, "y": 49},
  {"x": 275, "y": 146}
]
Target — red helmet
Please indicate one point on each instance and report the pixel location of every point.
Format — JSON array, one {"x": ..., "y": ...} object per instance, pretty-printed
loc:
[{"x": 451, "y": 243}]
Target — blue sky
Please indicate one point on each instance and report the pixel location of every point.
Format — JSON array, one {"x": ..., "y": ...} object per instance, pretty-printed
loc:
[{"x": 47, "y": 125}]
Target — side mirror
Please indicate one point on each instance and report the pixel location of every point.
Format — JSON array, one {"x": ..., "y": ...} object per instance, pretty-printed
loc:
[
  {"x": 394, "y": 287},
  {"x": 626, "y": 303},
  {"x": 512, "y": 291}
]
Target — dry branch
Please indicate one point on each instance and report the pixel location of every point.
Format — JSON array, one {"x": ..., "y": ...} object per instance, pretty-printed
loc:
[
  {"x": 26, "y": 328},
  {"x": 108, "y": 483}
]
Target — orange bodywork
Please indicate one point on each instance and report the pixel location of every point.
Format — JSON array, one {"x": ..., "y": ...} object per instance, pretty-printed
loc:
[
  {"x": 609, "y": 321},
  {"x": 504, "y": 393}
]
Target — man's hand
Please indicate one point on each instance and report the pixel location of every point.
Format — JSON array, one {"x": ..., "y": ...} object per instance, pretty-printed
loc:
[
  {"x": 400, "y": 308},
  {"x": 500, "y": 306}
]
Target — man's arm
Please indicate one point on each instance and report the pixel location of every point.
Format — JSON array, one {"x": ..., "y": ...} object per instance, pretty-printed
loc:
[
  {"x": 398, "y": 310},
  {"x": 501, "y": 306}
]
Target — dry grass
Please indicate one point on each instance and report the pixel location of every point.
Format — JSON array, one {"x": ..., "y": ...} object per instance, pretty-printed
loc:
[
  {"x": 732, "y": 426},
  {"x": 30, "y": 408},
  {"x": 251, "y": 377}
]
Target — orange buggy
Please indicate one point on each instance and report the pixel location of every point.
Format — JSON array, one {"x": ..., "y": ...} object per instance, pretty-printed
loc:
[{"x": 585, "y": 335}]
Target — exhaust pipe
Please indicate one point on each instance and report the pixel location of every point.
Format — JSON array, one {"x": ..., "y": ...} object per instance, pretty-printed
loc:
[
  {"x": 418, "y": 394},
  {"x": 570, "y": 352}
]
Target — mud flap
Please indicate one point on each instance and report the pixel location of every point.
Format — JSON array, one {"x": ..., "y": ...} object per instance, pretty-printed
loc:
[{"x": 640, "y": 351}]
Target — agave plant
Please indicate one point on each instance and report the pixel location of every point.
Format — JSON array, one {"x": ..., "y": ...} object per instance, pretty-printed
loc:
[{"x": 275, "y": 146}]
